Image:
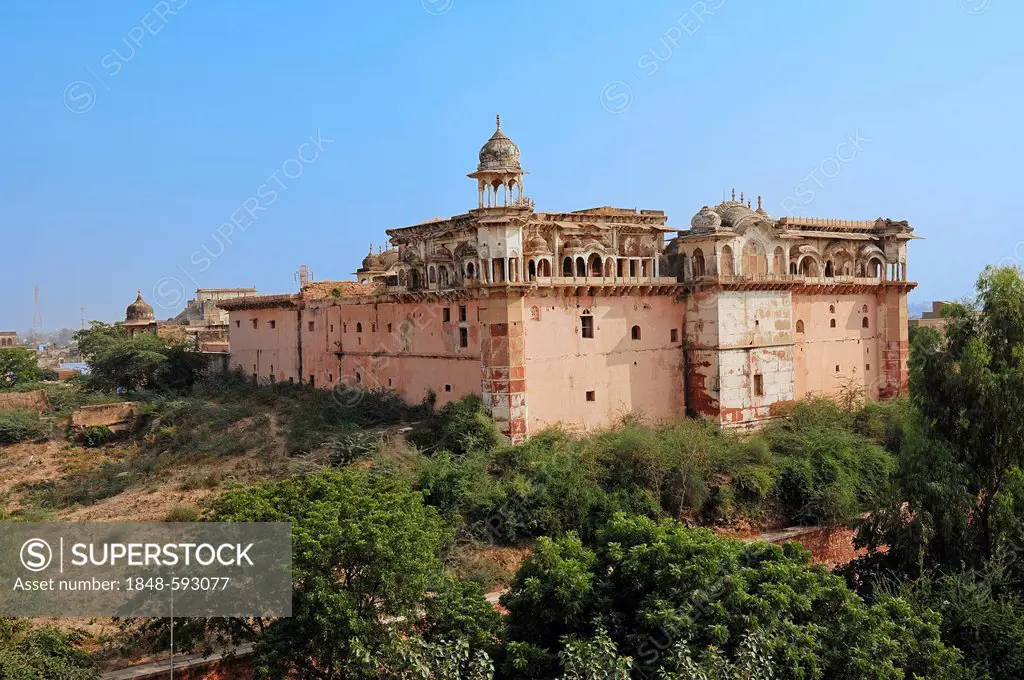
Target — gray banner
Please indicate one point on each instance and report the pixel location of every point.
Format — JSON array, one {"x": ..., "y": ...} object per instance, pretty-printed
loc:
[{"x": 145, "y": 569}]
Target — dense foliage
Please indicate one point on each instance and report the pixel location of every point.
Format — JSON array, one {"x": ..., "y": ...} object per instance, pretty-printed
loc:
[
  {"x": 21, "y": 425},
  {"x": 652, "y": 584},
  {"x": 28, "y": 653},
  {"x": 823, "y": 465},
  {"x": 18, "y": 365},
  {"x": 143, "y": 361}
]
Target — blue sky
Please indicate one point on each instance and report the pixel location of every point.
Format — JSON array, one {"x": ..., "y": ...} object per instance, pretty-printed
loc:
[{"x": 130, "y": 139}]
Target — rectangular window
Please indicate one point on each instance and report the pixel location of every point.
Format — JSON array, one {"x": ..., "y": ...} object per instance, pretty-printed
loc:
[
  {"x": 675, "y": 335},
  {"x": 463, "y": 337},
  {"x": 446, "y": 315},
  {"x": 273, "y": 324},
  {"x": 389, "y": 328},
  {"x": 447, "y": 388},
  {"x": 330, "y": 377},
  {"x": 238, "y": 324},
  {"x": 373, "y": 328},
  {"x": 587, "y": 326},
  {"x": 312, "y": 380},
  {"x": 312, "y": 325},
  {"x": 344, "y": 328},
  {"x": 255, "y": 323},
  {"x": 332, "y": 327},
  {"x": 591, "y": 396},
  {"x": 758, "y": 385},
  {"x": 462, "y": 312}
]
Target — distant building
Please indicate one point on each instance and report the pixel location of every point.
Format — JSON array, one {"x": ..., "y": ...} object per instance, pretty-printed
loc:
[
  {"x": 8, "y": 338},
  {"x": 933, "y": 318}
]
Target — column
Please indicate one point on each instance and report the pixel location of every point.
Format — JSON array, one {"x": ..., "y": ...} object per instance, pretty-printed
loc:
[{"x": 503, "y": 364}]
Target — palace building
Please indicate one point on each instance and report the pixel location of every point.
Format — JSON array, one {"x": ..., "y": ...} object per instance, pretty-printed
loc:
[{"x": 579, "y": 318}]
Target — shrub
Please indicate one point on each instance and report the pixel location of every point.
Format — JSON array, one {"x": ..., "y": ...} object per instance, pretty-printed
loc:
[
  {"x": 21, "y": 425},
  {"x": 182, "y": 513},
  {"x": 355, "y": 446},
  {"x": 459, "y": 427},
  {"x": 95, "y": 436}
]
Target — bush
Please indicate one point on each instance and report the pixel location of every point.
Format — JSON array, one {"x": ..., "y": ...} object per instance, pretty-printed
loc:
[
  {"x": 95, "y": 436},
  {"x": 459, "y": 427},
  {"x": 182, "y": 513},
  {"x": 20, "y": 426}
]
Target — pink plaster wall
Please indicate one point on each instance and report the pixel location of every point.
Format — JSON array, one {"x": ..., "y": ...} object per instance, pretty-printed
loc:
[
  {"x": 626, "y": 375},
  {"x": 404, "y": 346},
  {"x": 820, "y": 348},
  {"x": 256, "y": 350}
]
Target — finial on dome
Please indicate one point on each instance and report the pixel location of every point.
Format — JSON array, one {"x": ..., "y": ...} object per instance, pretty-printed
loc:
[
  {"x": 499, "y": 120},
  {"x": 139, "y": 291},
  {"x": 759, "y": 203},
  {"x": 734, "y": 194}
]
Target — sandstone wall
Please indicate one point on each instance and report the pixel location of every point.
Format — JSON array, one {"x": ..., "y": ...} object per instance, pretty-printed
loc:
[{"x": 32, "y": 401}]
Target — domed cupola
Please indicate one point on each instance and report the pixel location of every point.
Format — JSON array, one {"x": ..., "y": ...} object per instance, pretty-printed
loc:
[
  {"x": 499, "y": 154},
  {"x": 500, "y": 173},
  {"x": 140, "y": 310}
]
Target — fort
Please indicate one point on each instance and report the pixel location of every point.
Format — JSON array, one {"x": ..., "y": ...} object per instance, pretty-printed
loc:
[{"x": 577, "y": 318}]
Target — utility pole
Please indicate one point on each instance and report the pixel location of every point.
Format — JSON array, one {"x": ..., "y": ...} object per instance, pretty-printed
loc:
[{"x": 37, "y": 316}]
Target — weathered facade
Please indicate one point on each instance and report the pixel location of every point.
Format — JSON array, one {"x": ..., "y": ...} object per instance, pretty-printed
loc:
[
  {"x": 783, "y": 309},
  {"x": 579, "y": 318},
  {"x": 8, "y": 338}
]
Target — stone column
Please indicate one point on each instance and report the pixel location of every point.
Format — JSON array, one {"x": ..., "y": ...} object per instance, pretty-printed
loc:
[
  {"x": 503, "y": 363},
  {"x": 894, "y": 377}
]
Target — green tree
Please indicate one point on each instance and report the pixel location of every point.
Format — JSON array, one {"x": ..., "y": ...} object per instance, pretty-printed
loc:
[
  {"x": 18, "y": 365},
  {"x": 42, "y": 654},
  {"x": 365, "y": 549},
  {"x": 653, "y": 584},
  {"x": 953, "y": 500},
  {"x": 143, "y": 361}
]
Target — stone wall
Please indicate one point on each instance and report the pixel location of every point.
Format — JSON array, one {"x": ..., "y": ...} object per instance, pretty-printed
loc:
[
  {"x": 117, "y": 416},
  {"x": 33, "y": 401}
]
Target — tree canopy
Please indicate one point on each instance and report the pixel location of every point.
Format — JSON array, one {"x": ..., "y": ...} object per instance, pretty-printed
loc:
[{"x": 18, "y": 365}]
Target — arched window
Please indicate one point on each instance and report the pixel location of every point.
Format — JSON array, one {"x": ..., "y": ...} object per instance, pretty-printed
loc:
[
  {"x": 725, "y": 266},
  {"x": 828, "y": 268},
  {"x": 544, "y": 267},
  {"x": 809, "y": 266},
  {"x": 792, "y": 268},
  {"x": 831, "y": 309},
  {"x": 595, "y": 265},
  {"x": 359, "y": 327},
  {"x": 431, "y": 275},
  {"x": 779, "y": 261},
  {"x": 799, "y": 326},
  {"x": 567, "y": 267},
  {"x": 469, "y": 269},
  {"x": 864, "y": 309},
  {"x": 698, "y": 263},
  {"x": 442, "y": 275},
  {"x": 635, "y": 332},
  {"x": 531, "y": 270},
  {"x": 581, "y": 267},
  {"x": 755, "y": 262},
  {"x": 832, "y": 323},
  {"x": 864, "y": 322}
]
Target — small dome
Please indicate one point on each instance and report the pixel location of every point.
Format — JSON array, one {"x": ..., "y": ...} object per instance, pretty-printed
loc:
[
  {"x": 140, "y": 310},
  {"x": 537, "y": 244},
  {"x": 370, "y": 261},
  {"x": 499, "y": 153},
  {"x": 706, "y": 220}
]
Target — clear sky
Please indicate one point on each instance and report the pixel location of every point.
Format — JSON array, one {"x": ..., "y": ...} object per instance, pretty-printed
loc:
[{"x": 134, "y": 129}]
